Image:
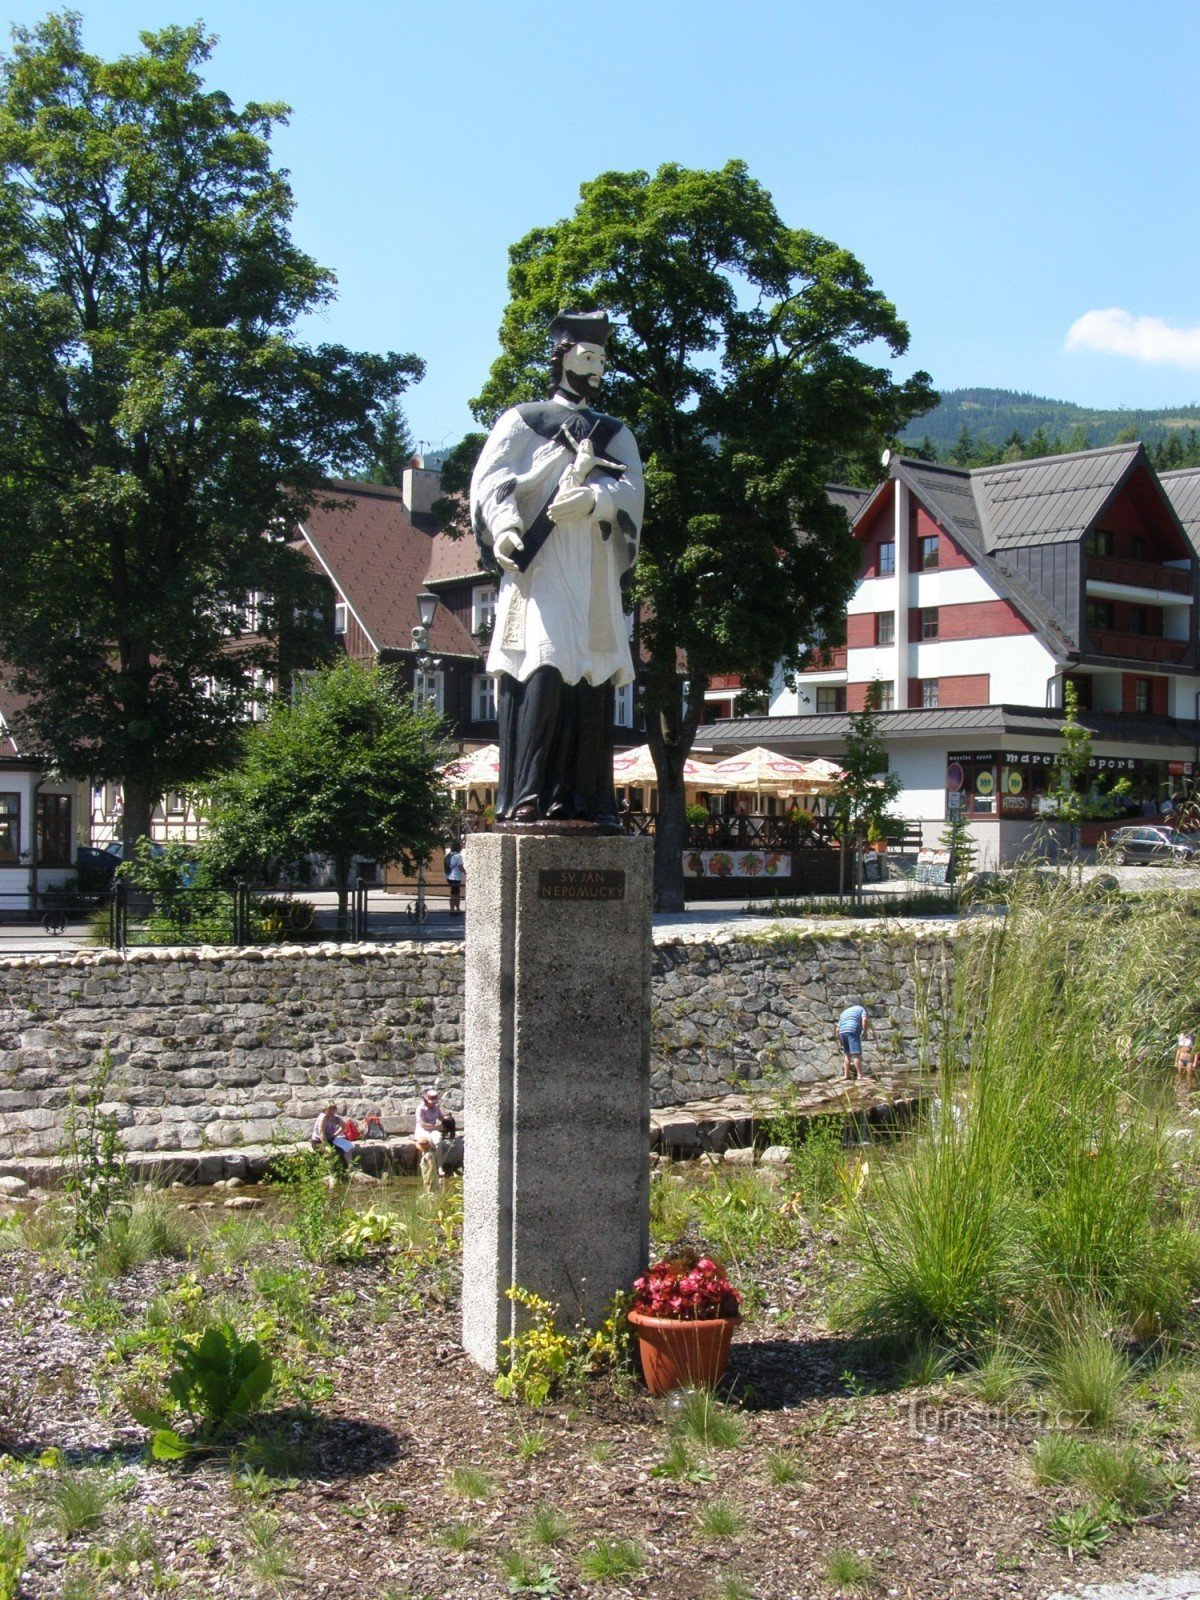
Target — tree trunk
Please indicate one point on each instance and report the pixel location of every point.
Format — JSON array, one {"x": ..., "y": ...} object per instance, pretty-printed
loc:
[
  {"x": 671, "y": 731},
  {"x": 137, "y": 802},
  {"x": 341, "y": 868},
  {"x": 670, "y": 831}
]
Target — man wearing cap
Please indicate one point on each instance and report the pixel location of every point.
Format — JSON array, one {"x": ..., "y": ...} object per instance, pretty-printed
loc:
[{"x": 556, "y": 504}]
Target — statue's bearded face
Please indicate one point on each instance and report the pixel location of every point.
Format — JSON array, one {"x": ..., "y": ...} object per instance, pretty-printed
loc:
[{"x": 583, "y": 369}]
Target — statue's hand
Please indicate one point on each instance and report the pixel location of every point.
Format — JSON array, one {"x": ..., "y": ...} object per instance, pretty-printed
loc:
[
  {"x": 507, "y": 547},
  {"x": 572, "y": 505}
]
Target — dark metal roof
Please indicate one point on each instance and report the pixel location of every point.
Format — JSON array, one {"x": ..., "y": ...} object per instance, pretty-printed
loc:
[
  {"x": 797, "y": 734},
  {"x": 948, "y": 494},
  {"x": 1183, "y": 491},
  {"x": 1051, "y": 500},
  {"x": 841, "y": 494}
]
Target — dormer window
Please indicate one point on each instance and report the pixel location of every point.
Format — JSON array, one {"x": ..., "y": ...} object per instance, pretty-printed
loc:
[{"x": 1098, "y": 542}]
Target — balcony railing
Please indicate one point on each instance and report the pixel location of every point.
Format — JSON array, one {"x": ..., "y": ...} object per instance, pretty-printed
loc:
[
  {"x": 1137, "y": 646},
  {"x": 1139, "y": 574},
  {"x": 831, "y": 659}
]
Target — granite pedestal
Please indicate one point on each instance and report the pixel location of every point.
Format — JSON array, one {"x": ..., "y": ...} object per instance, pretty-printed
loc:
[{"x": 556, "y": 1184}]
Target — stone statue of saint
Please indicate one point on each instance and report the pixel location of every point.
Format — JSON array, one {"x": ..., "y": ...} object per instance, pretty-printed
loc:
[{"x": 556, "y": 505}]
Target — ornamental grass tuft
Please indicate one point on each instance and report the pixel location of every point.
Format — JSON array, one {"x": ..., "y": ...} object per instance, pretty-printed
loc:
[{"x": 1039, "y": 1192}]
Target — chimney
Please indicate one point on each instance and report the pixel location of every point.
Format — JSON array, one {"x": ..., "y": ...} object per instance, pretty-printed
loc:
[{"x": 420, "y": 489}]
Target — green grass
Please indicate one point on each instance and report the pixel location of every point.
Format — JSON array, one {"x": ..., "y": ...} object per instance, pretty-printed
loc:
[
  {"x": 733, "y": 1588},
  {"x": 1089, "y": 1380},
  {"x": 531, "y": 1442},
  {"x": 847, "y": 1570},
  {"x": 721, "y": 1519},
  {"x": 784, "y": 1467},
  {"x": 608, "y": 1559},
  {"x": 706, "y": 1422},
  {"x": 77, "y": 1499},
  {"x": 14, "y": 1536},
  {"x": 460, "y": 1535},
  {"x": 1001, "y": 1375},
  {"x": 679, "y": 1464},
  {"x": 1034, "y": 1193},
  {"x": 269, "y": 1556},
  {"x": 471, "y": 1483},
  {"x": 546, "y": 1525},
  {"x": 1056, "y": 1458}
]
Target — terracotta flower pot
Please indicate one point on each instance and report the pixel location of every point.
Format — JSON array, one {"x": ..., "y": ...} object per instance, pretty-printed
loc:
[{"x": 677, "y": 1353}]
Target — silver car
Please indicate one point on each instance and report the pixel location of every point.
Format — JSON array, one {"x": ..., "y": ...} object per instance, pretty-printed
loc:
[{"x": 1154, "y": 843}]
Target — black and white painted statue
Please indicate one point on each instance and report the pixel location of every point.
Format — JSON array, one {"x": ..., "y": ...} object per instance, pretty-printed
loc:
[{"x": 556, "y": 505}]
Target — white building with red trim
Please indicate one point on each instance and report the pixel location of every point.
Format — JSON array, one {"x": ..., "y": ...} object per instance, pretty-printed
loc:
[{"x": 981, "y": 593}]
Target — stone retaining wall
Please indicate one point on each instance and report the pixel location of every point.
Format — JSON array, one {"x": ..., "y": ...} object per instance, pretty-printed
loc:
[{"x": 214, "y": 1048}]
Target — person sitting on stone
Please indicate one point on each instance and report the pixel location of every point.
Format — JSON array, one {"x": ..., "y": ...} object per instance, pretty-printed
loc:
[
  {"x": 329, "y": 1129},
  {"x": 428, "y": 1136}
]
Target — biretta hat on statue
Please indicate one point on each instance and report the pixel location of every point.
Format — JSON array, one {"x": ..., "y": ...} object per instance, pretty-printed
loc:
[{"x": 580, "y": 327}]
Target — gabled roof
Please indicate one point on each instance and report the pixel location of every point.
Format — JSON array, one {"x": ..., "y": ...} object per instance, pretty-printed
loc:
[
  {"x": 454, "y": 560},
  {"x": 1052, "y": 499},
  {"x": 1183, "y": 491},
  {"x": 948, "y": 494},
  {"x": 841, "y": 494},
  {"x": 377, "y": 557}
]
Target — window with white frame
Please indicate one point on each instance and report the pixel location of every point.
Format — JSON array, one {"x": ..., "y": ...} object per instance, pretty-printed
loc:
[
  {"x": 887, "y": 696},
  {"x": 483, "y": 698},
  {"x": 429, "y": 688},
  {"x": 483, "y": 609},
  {"x": 623, "y": 706},
  {"x": 341, "y": 617},
  {"x": 10, "y": 828},
  {"x": 929, "y": 693},
  {"x": 830, "y": 699}
]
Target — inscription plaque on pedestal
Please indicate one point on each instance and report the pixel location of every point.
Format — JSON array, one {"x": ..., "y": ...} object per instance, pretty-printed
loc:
[{"x": 580, "y": 883}]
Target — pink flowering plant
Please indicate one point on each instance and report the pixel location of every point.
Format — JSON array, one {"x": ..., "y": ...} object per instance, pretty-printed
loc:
[{"x": 687, "y": 1286}]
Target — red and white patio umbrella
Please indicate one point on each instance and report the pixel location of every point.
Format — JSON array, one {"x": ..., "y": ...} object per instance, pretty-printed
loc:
[
  {"x": 635, "y": 768},
  {"x": 477, "y": 769},
  {"x": 762, "y": 771}
]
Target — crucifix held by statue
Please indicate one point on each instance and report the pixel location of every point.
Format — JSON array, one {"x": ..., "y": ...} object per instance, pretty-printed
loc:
[{"x": 556, "y": 505}]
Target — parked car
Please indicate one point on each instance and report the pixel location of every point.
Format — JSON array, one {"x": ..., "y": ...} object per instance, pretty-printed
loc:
[{"x": 1157, "y": 844}]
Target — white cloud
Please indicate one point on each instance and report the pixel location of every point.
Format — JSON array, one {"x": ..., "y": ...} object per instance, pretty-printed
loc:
[{"x": 1119, "y": 333}]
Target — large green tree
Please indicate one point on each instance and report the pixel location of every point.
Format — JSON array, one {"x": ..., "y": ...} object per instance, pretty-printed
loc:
[
  {"x": 161, "y": 424},
  {"x": 349, "y": 769},
  {"x": 740, "y": 363}
]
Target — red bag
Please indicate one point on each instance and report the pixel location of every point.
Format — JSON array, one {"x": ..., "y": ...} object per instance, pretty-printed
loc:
[{"x": 350, "y": 1130}]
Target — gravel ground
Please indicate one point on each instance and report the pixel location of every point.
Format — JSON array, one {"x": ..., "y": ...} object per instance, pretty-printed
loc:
[{"x": 929, "y": 1487}]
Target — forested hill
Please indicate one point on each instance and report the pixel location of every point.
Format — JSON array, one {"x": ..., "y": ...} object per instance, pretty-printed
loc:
[{"x": 994, "y": 418}]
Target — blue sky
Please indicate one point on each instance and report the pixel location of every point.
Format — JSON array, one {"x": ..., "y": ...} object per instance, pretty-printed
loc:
[{"x": 1010, "y": 176}]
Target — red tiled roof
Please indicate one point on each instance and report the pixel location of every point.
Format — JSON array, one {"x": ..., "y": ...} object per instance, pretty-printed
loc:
[
  {"x": 453, "y": 559},
  {"x": 378, "y": 558}
]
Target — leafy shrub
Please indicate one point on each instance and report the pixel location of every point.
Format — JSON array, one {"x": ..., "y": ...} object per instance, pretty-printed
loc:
[
  {"x": 544, "y": 1358},
  {"x": 94, "y": 1175},
  {"x": 13, "y": 1538},
  {"x": 220, "y": 1381}
]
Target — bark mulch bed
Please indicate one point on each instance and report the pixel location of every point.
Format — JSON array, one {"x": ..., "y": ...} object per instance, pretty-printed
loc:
[{"x": 928, "y": 1486}]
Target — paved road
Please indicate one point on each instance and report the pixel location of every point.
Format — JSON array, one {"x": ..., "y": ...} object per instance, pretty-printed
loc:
[
  {"x": 389, "y": 912},
  {"x": 1151, "y": 1586}
]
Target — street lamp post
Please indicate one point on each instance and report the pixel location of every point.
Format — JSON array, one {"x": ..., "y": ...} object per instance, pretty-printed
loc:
[{"x": 423, "y": 662}]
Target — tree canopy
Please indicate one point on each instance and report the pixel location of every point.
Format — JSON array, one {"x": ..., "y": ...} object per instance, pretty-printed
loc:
[
  {"x": 161, "y": 423},
  {"x": 741, "y": 363},
  {"x": 348, "y": 770}
]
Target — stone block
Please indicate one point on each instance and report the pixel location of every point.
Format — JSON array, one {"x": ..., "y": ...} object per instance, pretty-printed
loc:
[{"x": 556, "y": 1191}]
